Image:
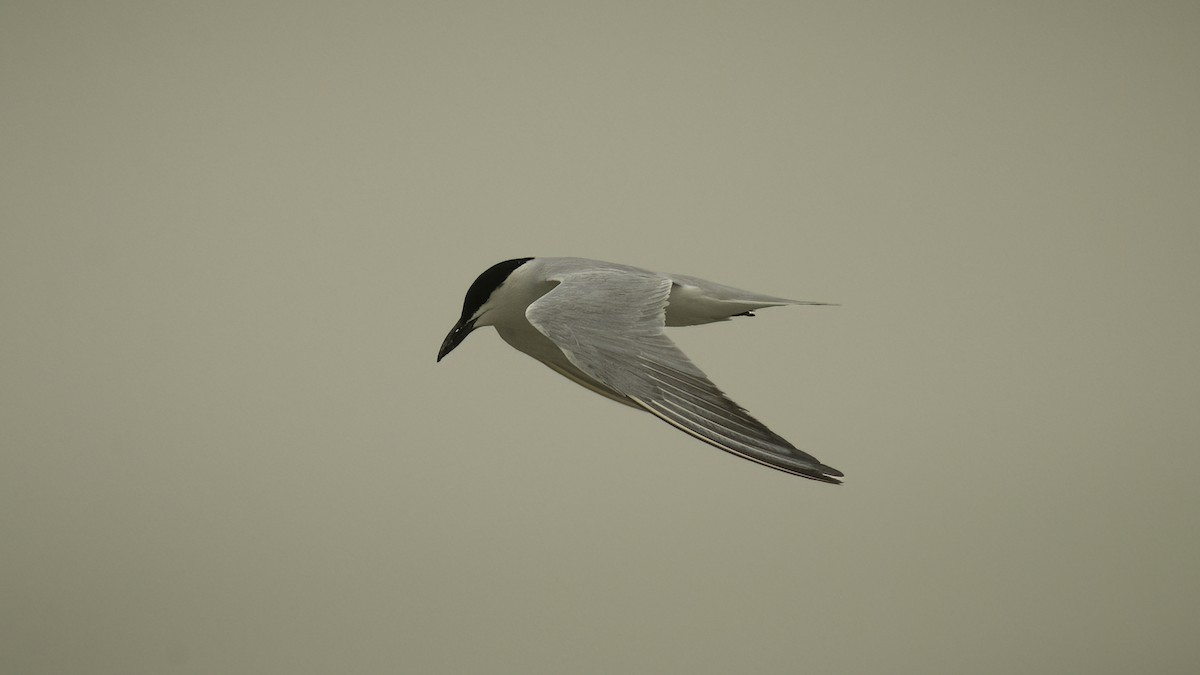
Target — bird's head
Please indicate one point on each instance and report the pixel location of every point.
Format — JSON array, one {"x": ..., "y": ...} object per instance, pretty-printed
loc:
[{"x": 478, "y": 302}]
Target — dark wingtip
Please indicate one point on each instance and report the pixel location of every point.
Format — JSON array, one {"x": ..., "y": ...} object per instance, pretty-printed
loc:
[
  {"x": 821, "y": 473},
  {"x": 829, "y": 473}
]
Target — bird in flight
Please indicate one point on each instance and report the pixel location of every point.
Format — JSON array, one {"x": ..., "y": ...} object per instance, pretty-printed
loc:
[{"x": 600, "y": 325}]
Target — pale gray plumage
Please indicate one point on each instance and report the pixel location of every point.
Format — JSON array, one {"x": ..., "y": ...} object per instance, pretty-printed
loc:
[{"x": 601, "y": 325}]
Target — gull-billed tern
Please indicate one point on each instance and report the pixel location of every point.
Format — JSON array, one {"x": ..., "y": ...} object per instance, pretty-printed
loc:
[{"x": 600, "y": 324}]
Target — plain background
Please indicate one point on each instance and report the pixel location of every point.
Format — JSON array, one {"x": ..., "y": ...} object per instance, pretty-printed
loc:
[{"x": 234, "y": 235}]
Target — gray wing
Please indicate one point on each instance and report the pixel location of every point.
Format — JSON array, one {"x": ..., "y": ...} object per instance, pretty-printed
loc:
[{"x": 609, "y": 323}]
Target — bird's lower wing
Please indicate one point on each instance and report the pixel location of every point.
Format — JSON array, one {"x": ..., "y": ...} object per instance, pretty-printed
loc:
[
  {"x": 695, "y": 405},
  {"x": 610, "y": 326}
]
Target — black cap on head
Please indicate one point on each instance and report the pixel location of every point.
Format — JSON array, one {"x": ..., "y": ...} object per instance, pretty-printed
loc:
[
  {"x": 477, "y": 295},
  {"x": 485, "y": 283}
]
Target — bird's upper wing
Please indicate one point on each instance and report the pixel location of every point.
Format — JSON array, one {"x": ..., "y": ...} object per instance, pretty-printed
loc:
[{"x": 609, "y": 323}]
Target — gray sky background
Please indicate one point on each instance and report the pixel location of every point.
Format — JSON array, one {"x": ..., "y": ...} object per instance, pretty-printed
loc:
[{"x": 234, "y": 235}]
